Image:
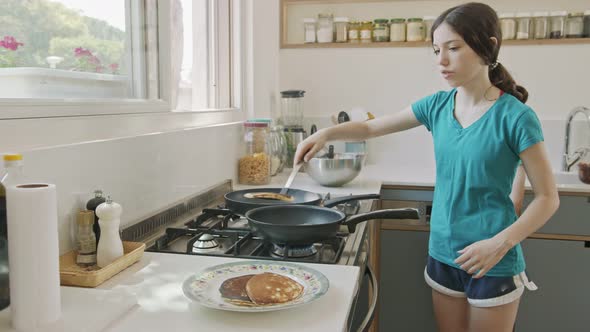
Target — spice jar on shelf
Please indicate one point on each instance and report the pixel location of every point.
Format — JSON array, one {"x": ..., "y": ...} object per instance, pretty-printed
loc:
[
  {"x": 381, "y": 30},
  {"x": 254, "y": 167},
  {"x": 325, "y": 30},
  {"x": 397, "y": 30},
  {"x": 428, "y": 21},
  {"x": 341, "y": 29},
  {"x": 309, "y": 30},
  {"x": 508, "y": 26},
  {"x": 574, "y": 25},
  {"x": 523, "y": 26},
  {"x": 366, "y": 31},
  {"x": 557, "y": 26},
  {"x": 415, "y": 29},
  {"x": 354, "y": 32},
  {"x": 541, "y": 25}
]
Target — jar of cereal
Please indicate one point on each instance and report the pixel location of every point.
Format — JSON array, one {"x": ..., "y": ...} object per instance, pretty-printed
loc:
[
  {"x": 254, "y": 167},
  {"x": 415, "y": 29}
]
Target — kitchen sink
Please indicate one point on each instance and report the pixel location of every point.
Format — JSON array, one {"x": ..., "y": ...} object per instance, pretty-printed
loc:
[{"x": 566, "y": 178}]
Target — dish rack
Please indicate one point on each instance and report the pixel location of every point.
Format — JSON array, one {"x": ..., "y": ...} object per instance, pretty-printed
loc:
[{"x": 71, "y": 274}]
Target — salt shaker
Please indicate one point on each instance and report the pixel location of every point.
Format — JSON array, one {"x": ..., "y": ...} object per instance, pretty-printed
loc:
[{"x": 110, "y": 246}]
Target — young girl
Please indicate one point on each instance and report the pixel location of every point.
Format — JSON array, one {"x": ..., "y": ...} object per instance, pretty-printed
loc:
[{"x": 481, "y": 129}]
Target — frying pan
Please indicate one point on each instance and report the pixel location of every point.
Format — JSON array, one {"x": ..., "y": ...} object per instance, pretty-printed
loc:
[
  {"x": 304, "y": 224},
  {"x": 238, "y": 202}
]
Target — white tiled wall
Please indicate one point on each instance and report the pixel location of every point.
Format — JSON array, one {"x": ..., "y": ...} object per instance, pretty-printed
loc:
[{"x": 143, "y": 173}]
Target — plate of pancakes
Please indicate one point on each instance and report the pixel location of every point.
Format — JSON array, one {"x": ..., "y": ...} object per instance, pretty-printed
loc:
[{"x": 255, "y": 286}]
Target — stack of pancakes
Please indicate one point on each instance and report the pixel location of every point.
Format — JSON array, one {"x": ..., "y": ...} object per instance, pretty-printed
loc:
[{"x": 260, "y": 289}]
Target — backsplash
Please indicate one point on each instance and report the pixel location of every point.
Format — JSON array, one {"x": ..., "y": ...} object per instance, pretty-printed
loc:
[{"x": 143, "y": 173}]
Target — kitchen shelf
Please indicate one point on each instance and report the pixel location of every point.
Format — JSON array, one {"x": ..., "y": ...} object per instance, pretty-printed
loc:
[
  {"x": 284, "y": 26},
  {"x": 566, "y": 41}
]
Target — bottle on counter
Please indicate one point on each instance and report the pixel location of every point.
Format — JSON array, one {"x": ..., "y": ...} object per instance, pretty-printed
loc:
[
  {"x": 91, "y": 205},
  {"x": 13, "y": 165},
  {"x": 85, "y": 239},
  {"x": 110, "y": 246}
]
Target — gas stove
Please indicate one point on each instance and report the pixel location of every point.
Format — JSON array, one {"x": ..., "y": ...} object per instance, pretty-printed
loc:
[{"x": 218, "y": 232}]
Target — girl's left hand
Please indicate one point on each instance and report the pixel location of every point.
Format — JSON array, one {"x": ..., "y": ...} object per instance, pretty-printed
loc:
[{"x": 481, "y": 256}]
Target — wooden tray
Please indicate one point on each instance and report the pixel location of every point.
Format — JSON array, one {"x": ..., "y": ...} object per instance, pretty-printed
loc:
[{"x": 71, "y": 274}]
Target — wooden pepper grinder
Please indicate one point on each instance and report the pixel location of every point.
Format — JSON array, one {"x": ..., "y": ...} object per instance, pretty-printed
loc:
[{"x": 110, "y": 246}]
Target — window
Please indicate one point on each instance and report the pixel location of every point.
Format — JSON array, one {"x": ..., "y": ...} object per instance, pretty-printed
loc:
[
  {"x": 83, "y": 57},
  {"x": 209, "y": 67}
]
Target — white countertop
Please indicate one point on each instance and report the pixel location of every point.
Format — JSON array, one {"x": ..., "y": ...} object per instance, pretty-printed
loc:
[
  {"x": 373, "y": 177},
  {"x": 155, "y": 302},
  {"x": 156, "y": 281}
]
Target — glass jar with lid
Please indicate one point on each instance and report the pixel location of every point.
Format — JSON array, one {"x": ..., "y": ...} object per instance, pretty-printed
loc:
[
  {"x": 366, "y": 31},
  {"x": 541, "y": 25},
  {"x": 557, "y": 26},
  {"x": 397, "y": 30},
  {"x": 254, "y": 167},
  {"x": 381, "y": 30},
  {"x": 415, "y": 29},
  {"x": 574, "y": 25},
  {"x": 508, "y": 26},
  {"x": 325, "y": 30},
  {"x": 341, "y": 29},
  {"x": 587, "y": 24},
  {"x": 354, "y": 32},
  {"x": 523, "y": 25},
  {"x": 428, "y": 21},
  {"x": 309, "y": 30}
]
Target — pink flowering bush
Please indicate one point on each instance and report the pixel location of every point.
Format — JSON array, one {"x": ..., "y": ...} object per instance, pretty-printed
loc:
[
  {"x": 8, "y": 48},
  {"x": 86, "y": 61}
]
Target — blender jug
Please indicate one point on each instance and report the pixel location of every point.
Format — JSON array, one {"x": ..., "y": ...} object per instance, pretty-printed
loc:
[{"x": 292, "y": 108}]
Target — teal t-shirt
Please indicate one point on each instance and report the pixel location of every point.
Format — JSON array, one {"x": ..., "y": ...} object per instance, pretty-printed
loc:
[{"x": 475, "y": 167}]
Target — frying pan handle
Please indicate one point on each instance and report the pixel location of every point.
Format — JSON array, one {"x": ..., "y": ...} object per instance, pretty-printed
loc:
[
  {"x": 339, "y": 200},
  {"x": 381, "y": 214}
]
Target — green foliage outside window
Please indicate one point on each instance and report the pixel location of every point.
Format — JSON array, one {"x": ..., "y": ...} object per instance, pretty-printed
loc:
[{"x": 48, "y": 28}]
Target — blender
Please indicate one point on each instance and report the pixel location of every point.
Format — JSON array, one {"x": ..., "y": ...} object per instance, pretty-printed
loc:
[{"x": 292, "y": 120}]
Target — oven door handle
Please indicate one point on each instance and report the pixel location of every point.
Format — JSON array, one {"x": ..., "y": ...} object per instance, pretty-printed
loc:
[{"x": 366, "y": 324}]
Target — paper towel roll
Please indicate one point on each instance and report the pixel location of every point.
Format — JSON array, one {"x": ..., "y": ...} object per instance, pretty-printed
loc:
[{"x": 33, "y": 255}]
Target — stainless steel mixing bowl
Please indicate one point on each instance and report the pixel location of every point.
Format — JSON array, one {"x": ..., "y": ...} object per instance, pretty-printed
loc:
[{"x": 337, "y": 171}]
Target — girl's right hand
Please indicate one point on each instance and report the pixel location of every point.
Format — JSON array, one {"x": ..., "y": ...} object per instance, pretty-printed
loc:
[{"x": 310, "y": 146}]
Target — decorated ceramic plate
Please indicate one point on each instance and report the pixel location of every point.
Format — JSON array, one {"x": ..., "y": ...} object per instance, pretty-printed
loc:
[{"x": 203, "y": 287}]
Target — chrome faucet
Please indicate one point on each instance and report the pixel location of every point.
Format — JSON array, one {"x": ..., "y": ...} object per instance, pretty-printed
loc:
[{"x": 569, "y": 160}]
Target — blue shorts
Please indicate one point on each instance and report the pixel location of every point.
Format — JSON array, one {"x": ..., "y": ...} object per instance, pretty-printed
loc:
[{"x": 483, "y": 292}]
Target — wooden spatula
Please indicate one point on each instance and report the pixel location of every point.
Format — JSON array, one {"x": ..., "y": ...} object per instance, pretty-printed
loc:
[{"x": 291, "y": 178}]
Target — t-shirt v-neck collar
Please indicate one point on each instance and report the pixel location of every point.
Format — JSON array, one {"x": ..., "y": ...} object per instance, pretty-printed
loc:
[{"x": 456, "y": 123}]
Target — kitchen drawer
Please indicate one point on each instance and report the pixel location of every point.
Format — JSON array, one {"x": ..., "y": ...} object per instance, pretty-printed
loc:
[{"x": 572, "y": 217}]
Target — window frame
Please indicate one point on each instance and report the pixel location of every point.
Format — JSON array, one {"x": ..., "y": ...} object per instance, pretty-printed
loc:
[{"x": 18, "y": 108}]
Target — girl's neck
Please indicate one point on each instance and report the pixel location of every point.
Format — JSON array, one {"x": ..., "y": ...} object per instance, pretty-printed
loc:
[{"x": 477, "y": 91}]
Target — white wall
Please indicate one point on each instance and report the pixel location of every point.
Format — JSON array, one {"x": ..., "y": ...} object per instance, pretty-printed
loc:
[{"x": 385, "y": 80}]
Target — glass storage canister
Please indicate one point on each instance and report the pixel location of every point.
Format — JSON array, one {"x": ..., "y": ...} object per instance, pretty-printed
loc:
[
  {"x": 523, "y": 26},
  {"x": 415, "y": 29},
  {"x": 325, "y": 30},
  {"x": 574, "y": 25},
  {"x": 557, "y": 26},
  {"x": 309, "y": 30},
  {"x": 508, "y": 26},
  {"x": 366, "y": 31},
  {"x": 341, "y": 29},
  {"x": 277, "y": 159},
  {"x": 254, "y": 167},
  {"x": 381, "y": 30},
  {"x": 587, "y": 24},
  {"x": 428, "y": 21},
  {"x": 397, "y": 30},
  {"x": 354, "y": 32},
  {"x": 541, "y": 25}
]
